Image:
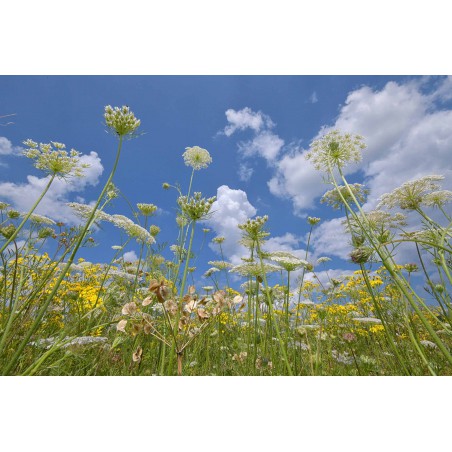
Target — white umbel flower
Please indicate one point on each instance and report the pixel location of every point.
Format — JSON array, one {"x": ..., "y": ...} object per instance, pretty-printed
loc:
[{"x": 197, "y": 157}]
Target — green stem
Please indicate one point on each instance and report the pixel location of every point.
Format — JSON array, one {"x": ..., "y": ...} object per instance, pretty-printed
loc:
[
  {"x": 390, "y": 265},
  {"x": 82, "y": 236},
  {"x": 270, "y": 310}
]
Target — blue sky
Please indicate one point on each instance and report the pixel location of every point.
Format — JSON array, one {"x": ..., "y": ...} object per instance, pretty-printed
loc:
[{"x": 256, "y": 128}]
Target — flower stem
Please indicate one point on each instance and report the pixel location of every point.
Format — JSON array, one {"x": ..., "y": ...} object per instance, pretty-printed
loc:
[
  {"x": 82, "y": 236},
  {"x": 21, "y": 225}
]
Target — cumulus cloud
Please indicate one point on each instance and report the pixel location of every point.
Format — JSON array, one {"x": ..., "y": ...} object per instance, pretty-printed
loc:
[
  {"x": 330, "y": 239},
  {"x": 296, "y": 178},
  {"x": 233, "y": 208},
  {"x": 405, "y": 135},
  {"x": 22, "y": 196},
  {"x": 407, "y": 130},
  {"x": 7, "y": 148},
  {"x": 130, "y": 256},
  {"x": 230, "y": 209}
]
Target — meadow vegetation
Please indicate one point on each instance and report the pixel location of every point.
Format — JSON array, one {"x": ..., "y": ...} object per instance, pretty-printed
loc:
[{"x": 62, "y": 315}]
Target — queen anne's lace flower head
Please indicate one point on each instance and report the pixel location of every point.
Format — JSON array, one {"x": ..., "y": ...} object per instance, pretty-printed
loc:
[
  {"x": 39, "y": 219},
  {"x": 287, "y": 260},
  {"x": 414, "y": 194},
  {"x": 376, "y": 220},
  {"x": 254, "y": 269},
  {"x": 222, "y": 265},
  {"x": 132, "y": 229},
  {"x": 335, "y": 197},
  {"x": 54, "y": 159},
  {"x": 197, "y": 157},
  {"x": 335, "y": 150},
  {"x": 84, "y": 211}
]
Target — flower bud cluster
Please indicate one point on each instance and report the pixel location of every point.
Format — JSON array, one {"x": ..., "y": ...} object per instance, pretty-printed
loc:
[
  {"x": 147, "y": 209},
  {"x": 196, "y": 207},
  {"x": 121, "y": 120},
  {"x": 253, "y": 228}
]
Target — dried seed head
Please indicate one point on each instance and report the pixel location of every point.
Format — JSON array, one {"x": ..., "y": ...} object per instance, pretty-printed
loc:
[
  {"x": 137, "y": 355},
  {"x": 147, "y": 301},
  {"x": 361, "y": 255},
  {"x": 171, "y": 307},
  {"x": 121, "y": 326},
  {"x": 129, "y": 308}
]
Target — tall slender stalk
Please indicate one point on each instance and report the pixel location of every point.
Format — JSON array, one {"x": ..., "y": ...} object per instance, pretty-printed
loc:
[
  {"x": 30, "y": 212},
  {"x": 270, "y": 310},
  {"x": 49, "y": 298}
]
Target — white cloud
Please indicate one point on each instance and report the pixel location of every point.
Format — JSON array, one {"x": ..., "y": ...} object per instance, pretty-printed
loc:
[
  {"x": 330, "y": 239},
  {"x": 313, "y": 98},
  {"x": 265, "y": 144},
  {"x": 444, "y": 91},
  {"x": 287, "y": 242},
  {"x": 130, "y": 256},
  {"x": 233, "y": 208},
  {"x": 246, "y": 119},
  {"x": 406, "y": 138},
  {"x": 296, "y": 178},
  {"x": 229, "y": 210},
  {"x": 7, "y": 148},
  {"x": 23, "y": 196}
]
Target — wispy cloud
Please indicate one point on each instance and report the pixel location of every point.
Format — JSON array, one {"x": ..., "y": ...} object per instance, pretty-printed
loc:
[
  {"x": 313, "y": 98},
  {"x": 245, "y": 172},
  {"x": 246, "y": 119},
  {"x": 265, "y": 143}
]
